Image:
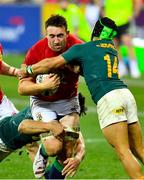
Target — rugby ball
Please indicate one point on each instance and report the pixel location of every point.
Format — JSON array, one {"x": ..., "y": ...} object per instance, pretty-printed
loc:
[{"x": 39, "y": 79}]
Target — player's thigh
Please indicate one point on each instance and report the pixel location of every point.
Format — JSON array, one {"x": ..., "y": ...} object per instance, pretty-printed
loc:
[
  {"x": 43, "y": 114},
  {"x": 132, "y": 116},
  {"x": 135, "y": 137},
  {"x": 47, "y": 111},
  {"x": 117, "y": 135},
  {"x": 72, "y": 126},
  {"x": 71, "y": 120}
]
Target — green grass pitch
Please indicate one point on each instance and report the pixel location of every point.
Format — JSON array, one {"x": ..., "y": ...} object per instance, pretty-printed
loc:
[{"x": 100, "y": 161}]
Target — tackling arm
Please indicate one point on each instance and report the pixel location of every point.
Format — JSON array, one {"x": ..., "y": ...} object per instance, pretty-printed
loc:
[
  {"x": 28, "y": 126},
  {"x": 42, "y": 67},
  {"x": 48, "y": 64},
  {"x": 8, "y": 70}
]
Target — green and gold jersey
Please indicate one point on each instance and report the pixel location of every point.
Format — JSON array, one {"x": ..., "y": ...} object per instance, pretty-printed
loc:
[
  {"x": 9, "y": 130},
  {"x": 99, "y": 62}
]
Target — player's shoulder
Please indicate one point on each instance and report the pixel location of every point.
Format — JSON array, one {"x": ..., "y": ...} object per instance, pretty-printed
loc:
[
  {"x": 37, "y": 47},
  {"x": 40, "y": 44}
]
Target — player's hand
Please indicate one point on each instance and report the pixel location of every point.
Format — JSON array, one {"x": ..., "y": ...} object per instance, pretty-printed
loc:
[
  {"x": 71, "y": 166},
  {"x": 57, "y": 130},
  {"x": 17, "y": 73},
  {"x": 51, "y": 81},
  {"x": 23, "y": 73}
]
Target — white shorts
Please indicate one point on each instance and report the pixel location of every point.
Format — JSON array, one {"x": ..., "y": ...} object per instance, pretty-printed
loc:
[
  {"x": 4, "y": 151},
  {"x": 116, "y": 106},
  {"x": 7, "y": 108},
  {"x": 47, "y": 111}
]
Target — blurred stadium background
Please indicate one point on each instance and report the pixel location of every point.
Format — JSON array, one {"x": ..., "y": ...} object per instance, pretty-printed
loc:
[{"x": 21, "y": 25}]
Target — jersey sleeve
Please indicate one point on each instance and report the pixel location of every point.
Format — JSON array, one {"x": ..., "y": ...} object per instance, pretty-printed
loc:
[{"x": 73, "y": 54}]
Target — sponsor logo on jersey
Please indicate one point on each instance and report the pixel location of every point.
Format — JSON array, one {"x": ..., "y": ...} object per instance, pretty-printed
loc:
[{"x": 105, "y": 45}]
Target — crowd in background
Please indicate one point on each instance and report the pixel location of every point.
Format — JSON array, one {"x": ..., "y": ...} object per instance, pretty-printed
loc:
[
  {"x": 81, "y": 15},
  {"x": 93, "y": 9}
]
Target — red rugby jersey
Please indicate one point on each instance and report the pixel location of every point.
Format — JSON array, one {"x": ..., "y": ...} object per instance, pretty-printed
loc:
[
  {"x": 1, "y": 52},
  {"x": 69, "y": 85}
]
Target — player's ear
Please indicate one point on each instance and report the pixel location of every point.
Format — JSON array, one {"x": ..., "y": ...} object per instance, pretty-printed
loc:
[{"x": 68, "y": 32}]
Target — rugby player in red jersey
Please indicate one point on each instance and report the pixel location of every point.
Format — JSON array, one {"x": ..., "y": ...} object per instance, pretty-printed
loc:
[{"x": 62, "y": 104}]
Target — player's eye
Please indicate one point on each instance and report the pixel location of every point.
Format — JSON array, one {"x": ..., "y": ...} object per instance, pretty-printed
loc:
[
  {"x": 51, "y": 36},
  {"x": 60, "y": 35}
]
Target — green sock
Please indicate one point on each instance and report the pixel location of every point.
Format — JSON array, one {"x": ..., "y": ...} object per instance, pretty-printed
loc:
[
  {"x": 58, "y": 166},
  {"x": 43, "y": 152},
  {"x": 56, "y": 171},
  {"x": 47, "y": 169}
]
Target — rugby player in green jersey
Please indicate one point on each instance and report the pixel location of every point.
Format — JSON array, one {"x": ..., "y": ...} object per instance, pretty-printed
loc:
[
  {"x": 19, "y": 129},
  {"x": 116, "y": 106}
]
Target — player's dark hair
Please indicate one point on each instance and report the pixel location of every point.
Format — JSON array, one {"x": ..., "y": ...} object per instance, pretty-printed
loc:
[
  {"x": 57, "y": 21},
  {"x": 105, "y": 28}
]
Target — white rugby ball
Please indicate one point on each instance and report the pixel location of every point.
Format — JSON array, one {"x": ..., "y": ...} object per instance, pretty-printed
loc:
[{"x": 39, "y": 79}]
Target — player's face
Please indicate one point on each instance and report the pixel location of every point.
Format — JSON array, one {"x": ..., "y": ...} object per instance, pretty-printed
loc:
[{"x": 57, "y": 38}]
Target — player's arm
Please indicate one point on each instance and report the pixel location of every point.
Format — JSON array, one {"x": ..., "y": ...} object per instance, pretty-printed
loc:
[
  {"x": 8, "y": 70},
  {"x": 28, "y": 86},
  {"x": 28, "y": 126},
  {"x": 72, "y": 164},
  {"x": 48, "y": 64},
  {"x": 43, "y": 66},
  {"x": 80, "y": 148}
]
